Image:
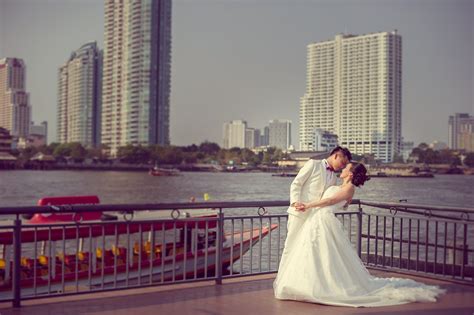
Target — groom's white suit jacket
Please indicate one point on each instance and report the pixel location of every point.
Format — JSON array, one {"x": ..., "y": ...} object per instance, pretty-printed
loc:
[{"x": 309, "y": 185}]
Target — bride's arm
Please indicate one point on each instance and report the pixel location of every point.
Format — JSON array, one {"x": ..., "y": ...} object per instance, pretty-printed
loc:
[{"x": 345, "y": 193}]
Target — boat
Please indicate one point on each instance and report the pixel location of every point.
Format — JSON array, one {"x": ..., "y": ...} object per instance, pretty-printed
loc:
[
  {"x": 109, "y": 264},
  {"x": 283, "y": 174},
  {"x": 403, "y": 175},
  {"x": 157, "y": 171}
]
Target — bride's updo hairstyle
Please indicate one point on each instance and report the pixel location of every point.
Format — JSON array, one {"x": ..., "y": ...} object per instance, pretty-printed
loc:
[{"x": 359, "y": 174}]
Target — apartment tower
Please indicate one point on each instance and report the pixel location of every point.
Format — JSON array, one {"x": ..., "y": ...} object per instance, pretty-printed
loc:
[
  {"x": 79, "y": 97},
  {"x": 15, "y": 110},
  {"x": 354, "y": 88},
  {"x": 136, "y": 73}
]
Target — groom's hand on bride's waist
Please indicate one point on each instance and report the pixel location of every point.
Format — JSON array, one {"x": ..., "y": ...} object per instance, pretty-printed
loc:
[
  {"x": 297, "y": 205},
  {"x": 301, "y": 207}
]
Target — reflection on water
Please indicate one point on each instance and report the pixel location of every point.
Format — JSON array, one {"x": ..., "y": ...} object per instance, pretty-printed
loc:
[{"x": 26, "y": 187}]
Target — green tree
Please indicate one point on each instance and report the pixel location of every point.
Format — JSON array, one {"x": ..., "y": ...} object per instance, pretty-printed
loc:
[
  {"x": 190, "y": 158},
  {"x": 134, "y": 154},
  {"x": 167, "y": 154},
  {"x": 27, "y": 153},
  {"x": 430, "y": 156},
  {"x": 99, "y": 152},
  {"x": 48, "y": 149},
  {"x": 191, "y": 148},
  {"x": 78, "y": 152},
  {"x": 423, "y": 146},
  {"x": 209, "y": 148}
]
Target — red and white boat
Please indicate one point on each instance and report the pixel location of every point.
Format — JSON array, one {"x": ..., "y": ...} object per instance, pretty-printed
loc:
[
  {"x": 108, "y": 265},
  {"x": 156, "y": 171}
]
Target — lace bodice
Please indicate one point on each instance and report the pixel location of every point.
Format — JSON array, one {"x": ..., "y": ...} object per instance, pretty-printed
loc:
[{"x": 329, "y": 193}]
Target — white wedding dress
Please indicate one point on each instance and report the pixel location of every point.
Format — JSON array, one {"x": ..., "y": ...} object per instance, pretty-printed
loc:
[{"x": 323, "y": 267}]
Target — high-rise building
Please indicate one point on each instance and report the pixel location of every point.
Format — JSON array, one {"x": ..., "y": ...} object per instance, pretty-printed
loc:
[
  {"x": 79, "y": 97},
  {"x": 15, "y": 110},
  {"x": 264, "y": 137},
  {"x": 136, "y": 73},
  {"x": 461, "y": 132},
  {"x": 252, "y": 138},
  {"x": 234, "y": 134},
  {"x": 280, "y": 134},
  {"x": 257, "y": 137},
  {"x": 354, "y": 91}
]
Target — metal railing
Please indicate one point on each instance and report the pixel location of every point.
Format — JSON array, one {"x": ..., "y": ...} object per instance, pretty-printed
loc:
[{"x": 147, "y": 247}]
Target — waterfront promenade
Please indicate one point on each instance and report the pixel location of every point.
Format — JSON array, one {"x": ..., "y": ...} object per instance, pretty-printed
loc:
[{"x": 246, "y": 295}]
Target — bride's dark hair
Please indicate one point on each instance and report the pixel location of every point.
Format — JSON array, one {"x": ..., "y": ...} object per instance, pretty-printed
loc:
[{"x": 359, "y": 174}]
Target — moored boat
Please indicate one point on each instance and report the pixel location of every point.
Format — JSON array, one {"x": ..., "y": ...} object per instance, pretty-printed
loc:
[{"x": 108, "y": 262}]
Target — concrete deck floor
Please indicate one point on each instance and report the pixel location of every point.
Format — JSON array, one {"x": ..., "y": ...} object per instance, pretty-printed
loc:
[{"x": 246, "y": 295}]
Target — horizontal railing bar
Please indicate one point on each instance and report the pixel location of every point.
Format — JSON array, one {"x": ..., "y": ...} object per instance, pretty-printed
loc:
[
  {"x": 403, "y": 206},
  {"x": 424, "y": 217},
  {"x": 431, "y": 215},
  {"x": 209, "y": 205},
  {"x": 27, "y": 226},
  {"x": 140, "y": 207},
  {"x": 236, "y": 275}
]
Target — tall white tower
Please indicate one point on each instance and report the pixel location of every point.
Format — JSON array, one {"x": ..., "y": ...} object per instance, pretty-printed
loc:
[
  {"x": 353, "y": 90},
  {"x": 137, "y": 73},
  {"x": 234, "y": 134},
  {"x": 79, "y": 85},
  {"x": 15, "y": 109}
]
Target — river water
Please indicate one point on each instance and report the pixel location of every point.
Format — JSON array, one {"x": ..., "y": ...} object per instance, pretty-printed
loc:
[{"x": 23, "y": 188}]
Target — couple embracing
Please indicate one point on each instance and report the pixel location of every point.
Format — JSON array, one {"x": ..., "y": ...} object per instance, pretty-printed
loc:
[{"x": 319, "y": 263}]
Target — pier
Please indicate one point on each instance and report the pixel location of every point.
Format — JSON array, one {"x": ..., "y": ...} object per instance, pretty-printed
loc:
[
  {"x": 219, "y": 261},
  {"x": 249, "y": 295}
]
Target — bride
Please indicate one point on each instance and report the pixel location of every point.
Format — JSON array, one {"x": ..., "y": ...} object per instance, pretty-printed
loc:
[{"x": 324, "y": 268}]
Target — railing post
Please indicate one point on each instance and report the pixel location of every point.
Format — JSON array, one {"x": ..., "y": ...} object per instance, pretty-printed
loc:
[
  {"x": 16, "y": 263},
  {"x": 220, "y": 246},
  {"x": 359, "y": 231}
]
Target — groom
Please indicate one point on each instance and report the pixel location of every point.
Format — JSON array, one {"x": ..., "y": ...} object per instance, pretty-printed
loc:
[{"x": 309, "y": 185}]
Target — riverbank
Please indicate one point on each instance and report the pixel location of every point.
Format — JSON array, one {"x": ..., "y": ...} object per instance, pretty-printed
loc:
[{"x": 385, "y": 170}]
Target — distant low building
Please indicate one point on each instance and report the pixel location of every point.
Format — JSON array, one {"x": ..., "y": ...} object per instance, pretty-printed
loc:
[
  {"x": 7, "y": 161},
  {"x": 38, "y": 134},
  {"x": 299, "y": 158},
  {"x": 323, "y": 140},
  {"x": 6, "y": 140}
]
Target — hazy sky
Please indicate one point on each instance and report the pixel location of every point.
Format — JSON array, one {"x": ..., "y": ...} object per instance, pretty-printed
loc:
[{"x": 247, "y": 59}]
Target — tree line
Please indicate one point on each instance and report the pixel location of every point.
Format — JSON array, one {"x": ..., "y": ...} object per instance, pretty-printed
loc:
[
  {"x": 206, "y": 152},
  {"x": 210, "y": 152}
]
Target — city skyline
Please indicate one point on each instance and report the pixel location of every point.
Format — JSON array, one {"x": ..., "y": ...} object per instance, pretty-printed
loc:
[{"x": 253, "y": 83}]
